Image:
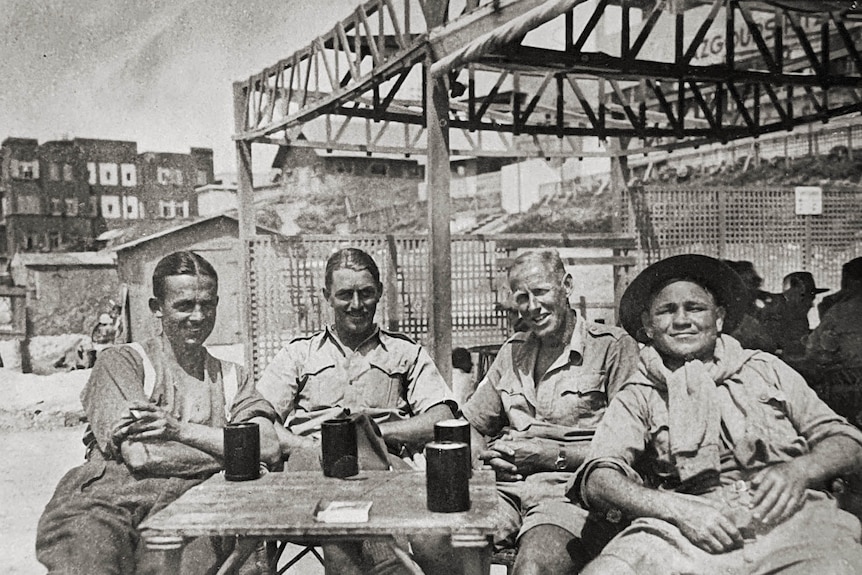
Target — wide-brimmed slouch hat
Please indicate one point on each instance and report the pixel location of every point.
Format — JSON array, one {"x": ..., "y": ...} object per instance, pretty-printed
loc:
[{"x": 726, "y": 286}]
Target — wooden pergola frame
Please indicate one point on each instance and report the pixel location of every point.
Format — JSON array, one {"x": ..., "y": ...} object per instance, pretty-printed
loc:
[{"x": 431, "y": 78}]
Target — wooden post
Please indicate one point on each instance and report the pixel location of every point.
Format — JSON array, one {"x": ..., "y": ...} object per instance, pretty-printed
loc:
[
  {"x": 390, "y": 284},
  {"x": 437, "y": 176},
  {"x": 247, "y": 227}
]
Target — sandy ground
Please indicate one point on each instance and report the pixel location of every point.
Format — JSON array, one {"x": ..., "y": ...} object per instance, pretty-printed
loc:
[{"x": 40, "y": 439}]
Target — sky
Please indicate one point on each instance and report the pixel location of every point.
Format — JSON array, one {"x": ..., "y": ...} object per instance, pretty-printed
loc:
[{"x": 158, "y": 72}]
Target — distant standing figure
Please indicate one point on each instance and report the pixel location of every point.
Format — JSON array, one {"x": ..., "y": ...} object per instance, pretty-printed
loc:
[
  {"x": 750, "y": 333},
  {"x": 837, "y": 341},
  {"x": 786, "y": 318},
  {"x": 463, "y": 384},
  {"x": 851, "y": 284}
]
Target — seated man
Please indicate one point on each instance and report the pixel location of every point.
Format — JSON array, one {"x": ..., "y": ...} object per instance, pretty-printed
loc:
[
  {"x": 156, "y": 412},
  {"x": 717, "y": 455},
  {"x": 539, "y": 404},
  {"x": 837, "y": 342},
  {"x": 354, "y": 366},
  {"x": 786, "y": 316}
]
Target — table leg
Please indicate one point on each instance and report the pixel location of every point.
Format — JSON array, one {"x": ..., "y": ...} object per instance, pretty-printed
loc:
[
  {"x": 241, "y": 552},
  {"x": 170, "y": 548},
  {"x": 475, "y": 553}
]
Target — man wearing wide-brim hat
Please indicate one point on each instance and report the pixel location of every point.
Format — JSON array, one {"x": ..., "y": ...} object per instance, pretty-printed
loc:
[{"x": 715, "y": 454}]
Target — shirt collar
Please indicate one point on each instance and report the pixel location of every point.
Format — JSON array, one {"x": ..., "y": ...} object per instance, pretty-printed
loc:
[{"x": 329, "y": 332}]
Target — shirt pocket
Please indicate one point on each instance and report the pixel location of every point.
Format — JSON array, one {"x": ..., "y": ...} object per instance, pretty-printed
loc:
[
  {"x": 517, "y": 409},
  {"x": 772, "y": 414},
  {"x": 585, "y": 395},
  {"x": 320, "y": 385},
  {"x": 384, "y": 386}
]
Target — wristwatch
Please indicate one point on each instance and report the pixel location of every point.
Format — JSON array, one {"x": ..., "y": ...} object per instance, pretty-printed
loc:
[{"x": 560, "y": 463}]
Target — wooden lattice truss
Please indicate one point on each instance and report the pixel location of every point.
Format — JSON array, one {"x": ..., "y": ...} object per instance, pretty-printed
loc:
[{"x": 541, "y": 78}]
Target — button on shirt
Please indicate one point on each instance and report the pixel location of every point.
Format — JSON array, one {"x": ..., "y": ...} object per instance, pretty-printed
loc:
[
  {"x": 574, "y": 392},
  {"x": 388, "y": 376}
]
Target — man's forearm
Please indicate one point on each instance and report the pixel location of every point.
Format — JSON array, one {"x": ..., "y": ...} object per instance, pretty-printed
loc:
[
  {"x": 290, "y": 442},
  {"x": 168, "y": 459},
  {"x": 608, "y": 489},
  {"x": 832, "y": 457},
  {"x": 416, "y": 430}
]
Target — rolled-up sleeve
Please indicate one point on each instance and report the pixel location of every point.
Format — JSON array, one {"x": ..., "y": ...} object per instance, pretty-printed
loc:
[
  {"x": 484, "y": 410},
  {"x": 426, "y": 387},
  {"x": 279, "y": 382},
  {"x": 812, "y": 418},
  {"x": 249, "y": 403},
  {"x": 620, "y": 440}
]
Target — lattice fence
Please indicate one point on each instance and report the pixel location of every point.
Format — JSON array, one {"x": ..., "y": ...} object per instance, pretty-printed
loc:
[
  {"x": 286, "y": 281},
  {"x": 758, "y": 224}
]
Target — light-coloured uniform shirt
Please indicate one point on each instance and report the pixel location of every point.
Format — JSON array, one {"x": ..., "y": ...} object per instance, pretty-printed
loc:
[
  {"x": 574, "y": 392},
  {"x": 784, "y": 420},
  {"x": 389, "y": 376}
]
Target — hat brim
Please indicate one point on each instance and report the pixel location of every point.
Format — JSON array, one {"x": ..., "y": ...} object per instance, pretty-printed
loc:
[
  {"x": 821, "y": 290},
  {"x": 725, "y": 285}
]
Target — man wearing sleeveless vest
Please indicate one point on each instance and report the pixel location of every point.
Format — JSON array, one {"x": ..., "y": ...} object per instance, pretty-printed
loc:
[{"x": 156, "y": 412}]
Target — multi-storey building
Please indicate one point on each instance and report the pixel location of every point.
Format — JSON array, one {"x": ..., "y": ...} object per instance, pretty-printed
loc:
[{"x": 59, "y": 195}]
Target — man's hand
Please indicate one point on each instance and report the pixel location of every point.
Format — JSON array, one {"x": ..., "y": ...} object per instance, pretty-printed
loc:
[
  {"x": 152, "y": 422},
  {"x": 500, "y": 457},
  {"x": 779, "y": 491},
  {"x": 514, "y": 459},
  {"x": 703, "y": 523}
]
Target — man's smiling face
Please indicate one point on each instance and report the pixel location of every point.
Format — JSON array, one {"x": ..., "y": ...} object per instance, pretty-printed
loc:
[{"x": 541, "y": 296}]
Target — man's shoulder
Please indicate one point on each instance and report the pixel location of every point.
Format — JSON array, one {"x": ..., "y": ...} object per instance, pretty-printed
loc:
[
  {"x": 392, "y": 336},
  {"x": 601, "y": 330}
]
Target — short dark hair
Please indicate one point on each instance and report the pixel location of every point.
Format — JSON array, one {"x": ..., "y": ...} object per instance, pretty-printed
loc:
[
  {"x": 350, "y": 258},
  {"x": 180, "y": 264}
]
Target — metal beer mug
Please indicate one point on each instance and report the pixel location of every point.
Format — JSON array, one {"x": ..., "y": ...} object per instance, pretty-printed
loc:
[
  {"x": 447, "y": 476},
  {"x": 338, "y": 443},
  {"x": 241, "y": 451}
]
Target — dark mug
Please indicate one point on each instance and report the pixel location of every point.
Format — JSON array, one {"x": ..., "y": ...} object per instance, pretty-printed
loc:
[
  {"x": 338, "y": 444},
  {"x": 455, "y": 430},
  {"x": 241, "y": 451},
  {"x": 447, "y": 476}
]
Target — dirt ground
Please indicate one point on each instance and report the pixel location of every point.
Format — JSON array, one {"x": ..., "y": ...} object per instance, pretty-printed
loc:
[{"x": 40, "y": 439}]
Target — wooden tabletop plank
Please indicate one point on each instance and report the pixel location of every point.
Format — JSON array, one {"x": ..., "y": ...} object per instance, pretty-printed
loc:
[{"x": 282, "y": 505}]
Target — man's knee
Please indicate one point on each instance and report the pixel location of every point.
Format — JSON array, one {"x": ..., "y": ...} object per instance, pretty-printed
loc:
[{"x": 548, "y": 549}]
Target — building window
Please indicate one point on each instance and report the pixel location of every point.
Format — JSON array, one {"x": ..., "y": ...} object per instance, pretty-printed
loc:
[
  {"x": 54, "y": 240},
  {"x": 378, "y": 169},
  {"x": 166, "y": 176},
  {"x": 56, "y": 210},
  {"x": 30, "y": 242},
  {"x": 183, "y": 209},
  {"x": 108, "y": 174},
  {"x": 24, "y": 170},
  {"x": 54, "y": 172},
  {"x": 202, "y": 177},
  {"x": 167, "y": 209},
  {"x": 71, "y": 207},
  {"x": 131, "y": 208},
  {"x": 67, "y": 173},
  {"x": 111, "y": 207},
  {"x": 92, "y": 174},
  {"x": 128, "y": 175}
]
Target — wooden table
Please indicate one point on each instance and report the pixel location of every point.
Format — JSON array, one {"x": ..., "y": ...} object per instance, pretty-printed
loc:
[{"x": 280, "y": 506}]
